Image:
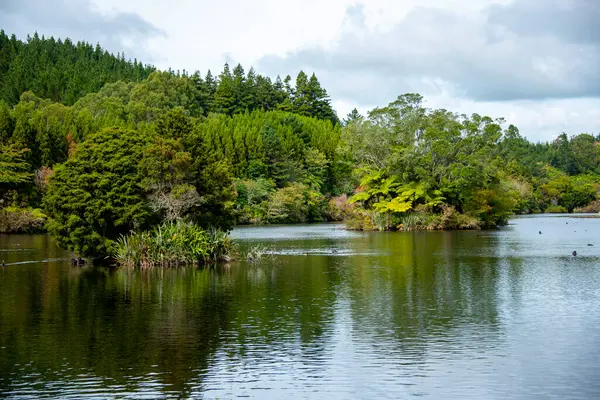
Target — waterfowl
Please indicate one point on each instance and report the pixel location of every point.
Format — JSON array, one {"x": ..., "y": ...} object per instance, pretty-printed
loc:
[{"x": 77, "y": 261}]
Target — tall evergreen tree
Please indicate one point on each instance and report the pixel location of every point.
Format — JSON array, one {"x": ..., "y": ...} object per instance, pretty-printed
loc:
[
  {"x": 225, "y": 94},
  {"x": 239, "y": 90},
  {"x": 352, "y": 116},
  {"x": 319, "y": 101}
]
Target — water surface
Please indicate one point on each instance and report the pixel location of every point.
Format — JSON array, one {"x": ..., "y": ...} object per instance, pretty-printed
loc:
[{"x": 331, "y": 314}]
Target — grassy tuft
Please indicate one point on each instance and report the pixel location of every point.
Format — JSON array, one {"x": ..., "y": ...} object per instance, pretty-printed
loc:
[{"x": 174, "y": 244}]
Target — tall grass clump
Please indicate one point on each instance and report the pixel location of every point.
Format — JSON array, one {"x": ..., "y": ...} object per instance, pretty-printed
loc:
[
  {"x": 257, "y": 253},
  {"x": 174, "y": 244},
  {"x": 413, "y": 222}
]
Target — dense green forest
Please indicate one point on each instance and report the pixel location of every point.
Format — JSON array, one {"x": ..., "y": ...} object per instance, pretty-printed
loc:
[
  {"x": 94, "y": 148},
  {"x": 60, "y": 71},
  {"x": 64, "y": 72},
  {"x": 419, "y": 168}
]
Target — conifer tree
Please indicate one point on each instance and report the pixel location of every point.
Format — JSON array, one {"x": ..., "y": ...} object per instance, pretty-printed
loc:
[
  {"x": 225, "y": 93},
  {"x": 352, "y": 116},
  {"x": 239, "y": 90}
]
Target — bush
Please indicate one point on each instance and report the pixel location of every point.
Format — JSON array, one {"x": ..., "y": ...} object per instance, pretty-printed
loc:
[
  {"x": 452, "y": 219},
  {"x": 96, "y": 195},
  {"x": 556, "y": 210},
  {"x": 19, "y": 220},
  {"x": 259, "y": 202},
  {"x": 174, "y": 244},
  {"x": 252, "y": 197},
  {"x": 593, "y": 207},
  {"x": 359, "y": 219},
  {"x": 337, "y": 208},
  {"x": 413, "y": 221},
  {"x": 288, "y": 205},
  {"x": 449, "y": 218}
]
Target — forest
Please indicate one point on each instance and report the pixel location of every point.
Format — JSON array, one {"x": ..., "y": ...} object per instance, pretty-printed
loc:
[{"x": 117, "y": 159}]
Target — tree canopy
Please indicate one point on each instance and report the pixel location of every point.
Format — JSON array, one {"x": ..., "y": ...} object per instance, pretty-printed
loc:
[{"x": 106, "y": 146}]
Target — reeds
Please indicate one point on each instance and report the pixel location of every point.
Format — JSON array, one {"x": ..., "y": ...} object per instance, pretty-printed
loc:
[{"x": 174, "y": 244}]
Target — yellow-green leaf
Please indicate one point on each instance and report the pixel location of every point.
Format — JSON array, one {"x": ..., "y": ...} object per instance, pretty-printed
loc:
[
  {"x": 398, "y": 205},
  {"x": 361, "y": 196}
]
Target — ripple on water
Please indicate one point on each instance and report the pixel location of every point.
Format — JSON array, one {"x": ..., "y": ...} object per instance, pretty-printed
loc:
[{"x": 498, "y": 314}]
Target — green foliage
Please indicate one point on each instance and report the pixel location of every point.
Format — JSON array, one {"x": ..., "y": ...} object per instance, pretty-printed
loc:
[
  {"x": 409, "y": 159},
  {"x": 14, "y": 168},
  {"x": 556, "y": 209},
  {"x": 557, "y": 189},
  {"x": 173, "y": 244},
  {"x": 131, "y": 147},
  {"x": 296, "y": 203},
  {"x": 121, "y": 180},
  {"x": 96, "y": 195},
  {"x": 414, "y": 221},
  {"x": 352, "y": 116},
  {"x": 60, "y": 70},
  {"x": 19, "y": 220},
  {"x": 288, "y": 205},
  {"x": 6, "y": 122},
  {"x": 165, "y": 169},
  {"x": 252, "y": 198}
]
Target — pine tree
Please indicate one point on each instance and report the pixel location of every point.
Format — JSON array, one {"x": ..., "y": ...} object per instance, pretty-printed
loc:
[
  {"x": 352, "y": 116},
  {"x": 302, "y": 98},
  {"x": 279, "y": 91},
  {"x": 249, "y": 100},
  {"x": 204, "y": 97},
  {"x": 288, "y": 102},
  {"x": 210, "y": 87},
  {"x": 239, "y": 90},
  {"x": 265, "y": 94},
  {"x": 6, "y": 122},
  {"x": 225, "y": 95}
]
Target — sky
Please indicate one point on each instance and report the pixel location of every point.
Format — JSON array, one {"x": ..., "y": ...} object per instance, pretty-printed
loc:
[{"x": 534, "y": 62}]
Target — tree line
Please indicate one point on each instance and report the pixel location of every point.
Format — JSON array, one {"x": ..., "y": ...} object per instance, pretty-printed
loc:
[
  {"x": 165, "y": 147},
  {"x": 63, "y": 72},
  {"x": 418, "y": 168}
]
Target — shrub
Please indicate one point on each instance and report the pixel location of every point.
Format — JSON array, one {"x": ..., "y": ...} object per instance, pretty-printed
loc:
[
  {"x": 95, "y": 196},
  {"x": 288, "y": 205},
  {"x": 337, "y": 208},
  {"x": 452, "y": 219},
  {"x": 252, "y": 196},
  {"x": 593, "y": 207},
  {"x": 360, "y": 219},
  {"x": 19, "y": 220},
  {"x": 556, "y": 210},
  {"x": 413, "y": 221}
]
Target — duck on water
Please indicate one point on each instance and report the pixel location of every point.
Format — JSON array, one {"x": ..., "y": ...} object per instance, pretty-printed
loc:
[{"x": 77, "y": 261}]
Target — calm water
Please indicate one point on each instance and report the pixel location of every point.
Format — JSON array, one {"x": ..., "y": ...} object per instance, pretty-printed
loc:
[{"x": 333, "y": 314}]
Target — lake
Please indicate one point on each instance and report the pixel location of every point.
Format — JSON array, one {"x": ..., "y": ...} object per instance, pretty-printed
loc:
[{"x": 504, "y": 314}]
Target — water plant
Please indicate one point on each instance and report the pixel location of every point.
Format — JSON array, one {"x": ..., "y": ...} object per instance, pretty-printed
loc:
[
  {"x": 172, "y": 244},
  {"x": 256, "y": 253}
]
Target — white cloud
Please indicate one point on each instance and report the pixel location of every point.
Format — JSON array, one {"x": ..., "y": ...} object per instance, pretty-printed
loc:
[{"x": 78, "y": 20}]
